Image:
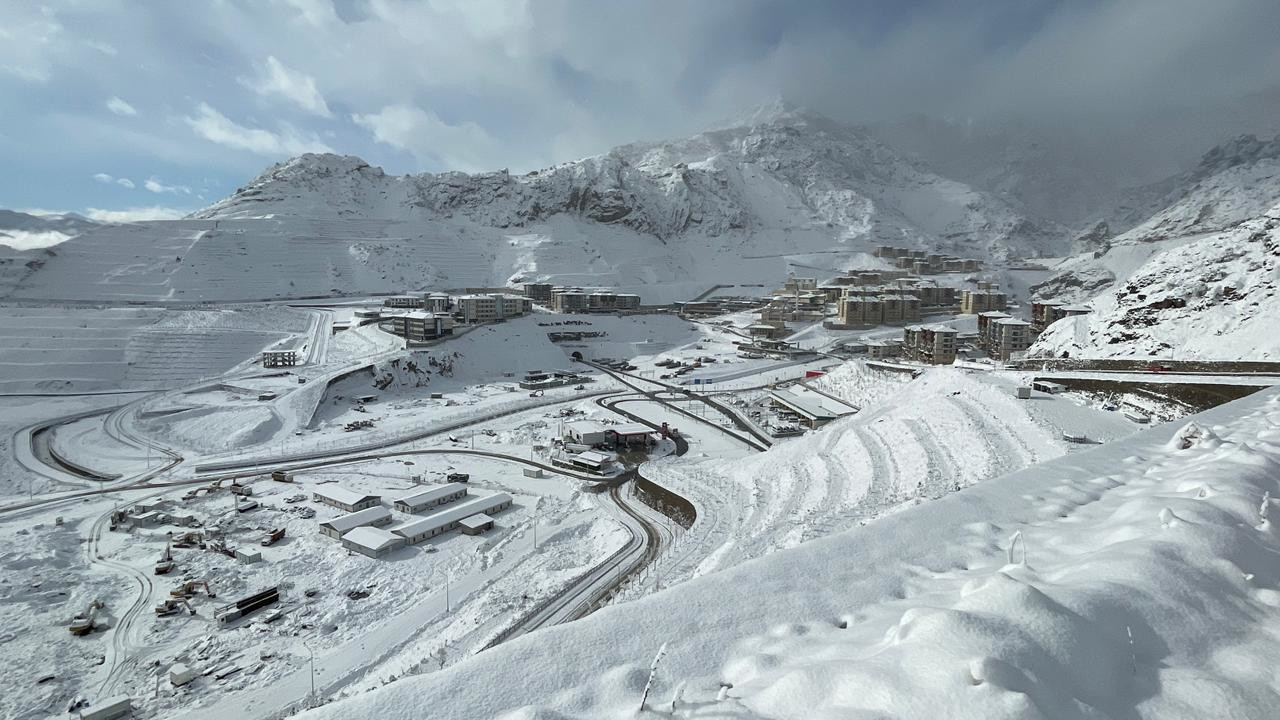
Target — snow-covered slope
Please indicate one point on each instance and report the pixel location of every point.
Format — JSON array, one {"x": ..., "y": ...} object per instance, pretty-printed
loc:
[
  {"x": 1213, "y": 296},
  {"x": 669, "y": 219},
  {"x": 24, "y": 231},
  {"x": 1143, "y": 586},
  {"x": 1234, "y": 182}
]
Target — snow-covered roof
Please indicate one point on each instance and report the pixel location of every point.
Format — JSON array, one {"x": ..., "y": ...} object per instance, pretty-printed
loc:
[
  {"x": 585, "y": 427},
  {"x": 811, "y": 403},
  {"x": 342, "y": 495},
  {"x": 372, "y": 538},
  {"x": 993, "y": 314},
  {"x": 478, "y": 520},
  {"x": 432, "y": 494},
  {"x": 351, "y": 521},
  {"x": 451, "y": 514},
  {"x": 1012, "y": 321},
  {"x": 631, "y": 429}
]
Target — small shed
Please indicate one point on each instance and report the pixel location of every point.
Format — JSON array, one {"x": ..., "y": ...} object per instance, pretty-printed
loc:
[
  {"x": 1023, "y": 392},
  {"x": 248, "y": 557},
  {"x": 180, "y": 674},
  {"x": 113, "y": 707},
  {"x": 585, "y": 432},
  {"x": 1046, "y": 386},
  {"x": 476, "y": 524},
  {"x": 533, "y": 472}
]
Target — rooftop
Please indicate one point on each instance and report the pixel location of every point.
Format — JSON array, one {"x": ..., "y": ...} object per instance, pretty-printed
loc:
[
  {"x": 372, "y": 538},
  {"x": 451, "y": 514},
  {"x": 811, "y": 403},
  {"x": 478, "y": 520},
  {"x": 351, "y": 521},
  {"x": 339, "y": 494},
  {"x": 431, "y": 494}
]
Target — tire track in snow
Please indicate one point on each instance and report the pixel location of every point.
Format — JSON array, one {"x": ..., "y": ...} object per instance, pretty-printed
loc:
[{"x": 1003, "y": 441}]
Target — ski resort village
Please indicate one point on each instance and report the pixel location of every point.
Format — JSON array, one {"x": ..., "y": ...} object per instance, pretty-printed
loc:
[{"x": 794, "y": 416}]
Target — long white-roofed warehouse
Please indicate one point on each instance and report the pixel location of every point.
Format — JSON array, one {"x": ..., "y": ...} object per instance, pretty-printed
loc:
[
  {"x": 344, "y": 499},
  {"x": 341, "y": 525},
  {"x": 451, "y": 517},
  {"x": 813, "y": 407},
  {"x": 431, "y": 497}
]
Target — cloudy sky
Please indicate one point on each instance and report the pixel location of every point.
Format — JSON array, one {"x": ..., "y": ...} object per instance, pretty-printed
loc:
[{"x": 137, "y": 108}]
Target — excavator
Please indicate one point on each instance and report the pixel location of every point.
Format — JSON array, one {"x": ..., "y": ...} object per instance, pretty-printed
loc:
[
  {"x": 171, "y": 606},
  {"x": 188, "y": 588},
  {"x": 165, "y": 564},
  {"x": 83, "y": 624}
]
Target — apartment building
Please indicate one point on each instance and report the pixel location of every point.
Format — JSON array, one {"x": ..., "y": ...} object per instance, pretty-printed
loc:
[
  {"x": 1009, "y": 337},
  {"x": 932, "y": 344},
  {"x": 976, "y": 302},
  {"x": 490, "y": 307}
]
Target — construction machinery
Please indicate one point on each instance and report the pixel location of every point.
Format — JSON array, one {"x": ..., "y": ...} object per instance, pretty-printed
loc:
[
  {"x": 242, "y": 490},
  {"x": 83, "y": 624},
  {"x": 165, "y": 564},
  {"x": 272, "y": 537},
  {"x": 188, "y": 588},
  {"x": 188, "y": 539},
  {"x": 171, "y": 606}
]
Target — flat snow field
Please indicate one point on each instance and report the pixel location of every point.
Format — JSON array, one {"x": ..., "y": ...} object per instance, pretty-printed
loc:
[{"x": 1136, "y": 579}]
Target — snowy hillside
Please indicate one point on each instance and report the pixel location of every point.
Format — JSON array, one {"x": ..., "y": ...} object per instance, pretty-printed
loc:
[
  {"x": 23, "y": 231},
  {"x": 1214, "y": 296},
  {"x": 749, "y": 203},
  {"x": 1234, "y": 182},
  {"x": 1096, "y": 586}
]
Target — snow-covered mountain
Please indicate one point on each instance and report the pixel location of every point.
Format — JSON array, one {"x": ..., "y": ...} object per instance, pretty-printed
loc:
[
  {"x": 1214, "y": 296},
  {"x": 1233, "y": 183},
  {"x": 24, "y": 231},
  {"x": 783, "y": 190},
  {"x": 784, "y": 171}
]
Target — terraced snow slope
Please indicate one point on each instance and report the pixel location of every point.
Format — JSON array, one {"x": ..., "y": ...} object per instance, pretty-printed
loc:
[
  {"x": 1144, "y": 585},
  {"x": 60, "y": 349}
]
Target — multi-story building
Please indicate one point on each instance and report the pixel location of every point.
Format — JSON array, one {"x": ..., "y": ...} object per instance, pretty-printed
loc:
[
  {"x": 490, "y": 307},
  {"x": 1009, "y": 337},
  {"x": 608, "y": 301},
  {"x": 437, "y": 302},
  {"x": 974, "y": 302},
  {"x": 986, "y": 321},
  {"x": 932, "y": 344},
  {"x": 403, "y": 301},
  {"x": 799, "y": 285},
  {"x": 420, "y": 326},
  {"x": 1046, "y": 312},
  {"x": 538, "y": 292},
  {"x": 569, "y": 300}
]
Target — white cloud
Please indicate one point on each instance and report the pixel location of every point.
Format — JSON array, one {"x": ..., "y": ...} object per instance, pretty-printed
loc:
[
  {"x": 218, "y": 128},
  {"x": 121, "y": 181},
  {"x": 297, "y": 87},
  {"x": 120, "y": 107},
  {"x": 24, "y": 240},
  {"x": 137, "y": 214},
  {"x": 154, "y": 185},
  {"x": 465, "y": 146}
]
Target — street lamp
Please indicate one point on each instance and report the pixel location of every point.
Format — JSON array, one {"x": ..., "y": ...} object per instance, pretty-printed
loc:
[{"x": 312, "y": 696}]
